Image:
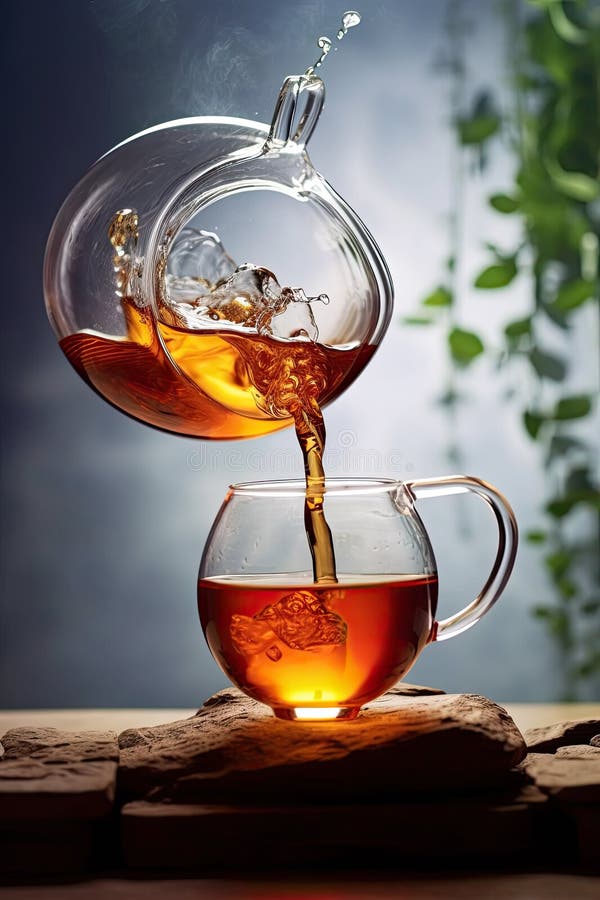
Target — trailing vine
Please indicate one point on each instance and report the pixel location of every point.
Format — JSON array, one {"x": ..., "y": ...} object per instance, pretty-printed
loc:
[{"x": 551, "y": 126}]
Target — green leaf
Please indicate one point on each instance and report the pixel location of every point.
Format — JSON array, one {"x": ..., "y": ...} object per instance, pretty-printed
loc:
[
  {"x": 559, "y": 508},
  {"x": 562, "y": 506},
  {"x": 465, "y": 346},
  {"x": 564, "y": 27},
  {"x": 440, "y": 297},
  {"x": 417, "y": 320},
  {"x": 590, "y": 607},
  {"x": 575, "y": 407},
  {"x": 498, "y": 275},
  {"x": 561, "y": 444},
  {"x": 541, "y": 612},
  {"x": 578, "y": 481},
  {"x": 536, "y": 536},
  {"x": 450, "y": 398},
  {"x": 567, "y": 588},
  {"x": 576, "y": 185},
  {"x": 573, "y": 294},
  {"x": 559, "y": 625},
  {"x": 493, "y": 248},
  {"x": 589, "y": 667},
  {"x": 555, "y": 315},
  {"x": 556, "y": 620},
  {"x": 533, "y": 422},
  {"x": 580, "y": 488},
  {"x": 478, "y": 129},
  {"x": 518, "y": 328},
  {"x": 547, "y": 365},
  {"x": 593, "y": 500},
  {"x": 503, "y": 203},
  {"x": 558, "y": 563}
]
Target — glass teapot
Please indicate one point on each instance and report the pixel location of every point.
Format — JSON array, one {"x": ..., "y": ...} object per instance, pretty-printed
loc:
[{"x": 143, "y": 284}]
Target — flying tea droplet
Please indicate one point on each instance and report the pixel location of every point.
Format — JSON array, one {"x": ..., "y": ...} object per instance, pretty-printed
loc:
[
  {"x": 350, "y": 19},
  {"x": 324, "y": 45}
]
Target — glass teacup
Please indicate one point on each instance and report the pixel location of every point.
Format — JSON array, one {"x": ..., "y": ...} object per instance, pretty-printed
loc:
[{"x": 320, "y": 651}]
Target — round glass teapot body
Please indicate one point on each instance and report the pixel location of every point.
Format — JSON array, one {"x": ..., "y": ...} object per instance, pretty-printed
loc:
[{"x": 194, "y": 254}]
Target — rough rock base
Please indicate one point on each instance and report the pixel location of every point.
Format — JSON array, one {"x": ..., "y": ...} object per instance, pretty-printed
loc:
[{"x": 422, "y": 778}]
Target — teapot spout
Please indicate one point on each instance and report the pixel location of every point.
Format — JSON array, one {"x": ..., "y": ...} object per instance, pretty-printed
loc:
[{"x": 297, "y": 111}]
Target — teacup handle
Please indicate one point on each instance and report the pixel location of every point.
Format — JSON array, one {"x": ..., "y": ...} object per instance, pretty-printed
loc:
[{"x": 507, "y": 545}]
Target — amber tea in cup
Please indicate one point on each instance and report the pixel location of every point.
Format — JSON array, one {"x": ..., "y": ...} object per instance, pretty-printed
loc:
[
  {"x": 320, "y": 651},
  {"x": 300, "y": 646}
]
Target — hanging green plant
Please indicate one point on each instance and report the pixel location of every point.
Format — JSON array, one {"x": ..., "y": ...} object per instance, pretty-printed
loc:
[{"x": 553, "y": 130}]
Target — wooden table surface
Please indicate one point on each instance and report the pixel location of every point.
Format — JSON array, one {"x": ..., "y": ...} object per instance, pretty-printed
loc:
[
  {"x": 326, "y": 886},
  {"x": 365, "y": 885}
]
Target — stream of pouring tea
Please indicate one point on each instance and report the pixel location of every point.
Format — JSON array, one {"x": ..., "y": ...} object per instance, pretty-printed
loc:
[
  {"x": 289, "y": 370},
  {"x": 308, "y": 419}
]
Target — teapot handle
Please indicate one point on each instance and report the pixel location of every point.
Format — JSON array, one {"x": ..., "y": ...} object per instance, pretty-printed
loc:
[{"x": 507, "y": 545}]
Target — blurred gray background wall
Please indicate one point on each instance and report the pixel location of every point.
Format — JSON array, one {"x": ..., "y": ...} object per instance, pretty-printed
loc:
[{"x": 103, "y": 519}]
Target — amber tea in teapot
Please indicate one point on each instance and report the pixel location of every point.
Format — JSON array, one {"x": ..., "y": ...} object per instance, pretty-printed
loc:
[{"x": 214, "y": 362}]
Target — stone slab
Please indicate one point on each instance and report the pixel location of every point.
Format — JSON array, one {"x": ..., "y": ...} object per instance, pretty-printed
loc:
[
  {"x": 571, "y": 781},
  {"x": 52, "y": 745},
  {"x": 187, "y": 837},
  {"x": 45, "y": 849},
  {"x": 46, "y": 773},
  {"x": 30, "y": 790},
  {"x": 413, "y": 690},
  {"x": 57, "y": 793},
  {"x": 579, "y": 751},
  {"x": 586, "y": 819},
  {"x": 235, "y": 749},
  {"x": 549, "y": 738}
]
